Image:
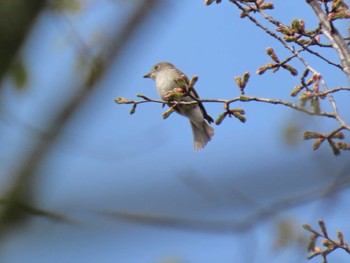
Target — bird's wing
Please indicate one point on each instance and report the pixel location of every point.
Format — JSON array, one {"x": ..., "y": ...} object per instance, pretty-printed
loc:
[
  {"x": 201, "y": 106},
  {"x": 194, "y": 95}
]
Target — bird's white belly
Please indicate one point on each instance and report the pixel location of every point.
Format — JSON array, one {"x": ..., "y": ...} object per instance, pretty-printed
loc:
[{"x": 165, "y": 84}]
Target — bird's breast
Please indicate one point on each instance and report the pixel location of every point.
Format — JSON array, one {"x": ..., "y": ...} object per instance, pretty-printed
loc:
[{"x": 165, "y": 83}]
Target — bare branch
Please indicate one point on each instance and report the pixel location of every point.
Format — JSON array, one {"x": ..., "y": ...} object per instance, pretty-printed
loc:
[{"x": 229, "y": 101}]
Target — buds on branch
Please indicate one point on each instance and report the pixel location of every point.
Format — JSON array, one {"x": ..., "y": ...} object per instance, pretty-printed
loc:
[
  {"x": 339, "y": 10},
  {"x": 319, "y": 138},
  {"x": 242, "y": 81},
  {"x": 276, "y": 66},
  {"x": 329, "y": 244}
]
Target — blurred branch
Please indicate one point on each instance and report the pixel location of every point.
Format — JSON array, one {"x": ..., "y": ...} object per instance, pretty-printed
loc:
[
  {"x": 26, "y": 210},
  {"x": 22, "y": 192},
  {"x": 16, "y": 20},
  {"x": 234, "y": 225}
]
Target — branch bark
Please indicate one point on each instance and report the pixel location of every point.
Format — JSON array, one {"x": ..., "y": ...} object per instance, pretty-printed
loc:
[{"x": 333, "y": 35}]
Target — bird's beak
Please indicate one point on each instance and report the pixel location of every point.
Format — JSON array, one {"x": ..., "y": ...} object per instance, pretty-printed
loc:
[{"x": 147, "y": 75}]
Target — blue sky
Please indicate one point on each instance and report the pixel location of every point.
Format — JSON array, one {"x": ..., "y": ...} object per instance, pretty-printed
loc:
[{"x": 108, "y": 160}]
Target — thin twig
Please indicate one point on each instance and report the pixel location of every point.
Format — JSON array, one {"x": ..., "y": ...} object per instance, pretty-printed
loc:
[
  {"x": 305, "y": 47},
  {"x": 274, "y": 35}
]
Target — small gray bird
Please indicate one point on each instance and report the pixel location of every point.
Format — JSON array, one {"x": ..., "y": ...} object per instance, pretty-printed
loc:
[{"x": 164, "y": 74}]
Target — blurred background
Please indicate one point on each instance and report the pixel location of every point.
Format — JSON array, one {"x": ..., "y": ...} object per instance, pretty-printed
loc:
[{"x": 82, "y": 180}]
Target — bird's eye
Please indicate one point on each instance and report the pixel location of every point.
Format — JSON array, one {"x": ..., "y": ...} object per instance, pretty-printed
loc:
[{"x": 156, "y": 67}]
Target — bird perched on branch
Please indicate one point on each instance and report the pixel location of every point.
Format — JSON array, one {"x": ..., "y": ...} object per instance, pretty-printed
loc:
[{"x": 168, "y": 78}]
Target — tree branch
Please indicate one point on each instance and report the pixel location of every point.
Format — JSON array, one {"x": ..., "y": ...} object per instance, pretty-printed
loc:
[
  {"x": 333, "y": 35},
  {"x": 22, "y": 192},
  {"x": 227, "y": 102}
]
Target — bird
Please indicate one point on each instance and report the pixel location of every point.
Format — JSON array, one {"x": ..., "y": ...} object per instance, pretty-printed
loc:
[{"x": 164, "y": 74}]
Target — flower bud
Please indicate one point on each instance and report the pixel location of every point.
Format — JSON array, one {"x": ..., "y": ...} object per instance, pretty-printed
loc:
[
  {"x": 133, "y": 108},
  {"x": 315, "y": 103},
  {"x": 268, "y": 5},
  {"x": 121, "y": 100},
  {"x": 338, "y": 135},
  {"x": 304, "y": 41},
  {"x": 221, "y": 117},
  {"x": 285, "y": 30},
  {"x": 313, "y": 135},
  {"x": 296, "y": 90},
  {"x": 246, "y": 77},
  {"x": 238, "y": 81},
  {"x": 291, "y": 38},
  {"x": 272, "y": 54},
  {"x": 317, "y": 143},
  {"x": 167, "y": 113},
  {"x": 298, "y": 26},
  {"x": 292, "y": 70},
  {"x": 175, "y": 94}
]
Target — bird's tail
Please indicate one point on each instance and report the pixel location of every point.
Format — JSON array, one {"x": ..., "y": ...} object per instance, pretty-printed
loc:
[{"x": 202, "y": 134}]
